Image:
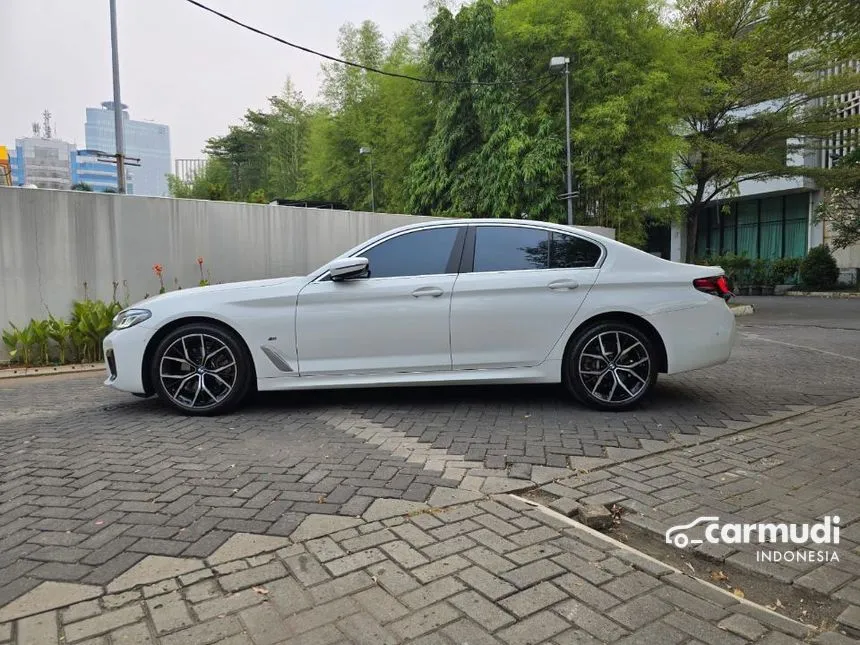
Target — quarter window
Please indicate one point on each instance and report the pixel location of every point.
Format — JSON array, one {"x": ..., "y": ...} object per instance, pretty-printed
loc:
[
  {"x": 425, "y": 252},
  {"x": 510, "y": 248},
  {"x": 571, "y": 252}
]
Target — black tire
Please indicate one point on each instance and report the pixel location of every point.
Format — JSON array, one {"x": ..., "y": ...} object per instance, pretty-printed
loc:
[
  {"x": 591, "y": 380},
  {"x": 212, "y": 397}
]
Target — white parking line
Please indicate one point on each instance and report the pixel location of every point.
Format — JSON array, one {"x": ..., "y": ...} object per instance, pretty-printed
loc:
[{"x": 796, "y": 346}]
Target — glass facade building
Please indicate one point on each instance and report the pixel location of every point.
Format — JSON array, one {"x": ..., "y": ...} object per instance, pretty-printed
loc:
[
  {"x": 58, "y": 165},
  {"x": 768, "y": 227},
  {"x": 150, "y": 142},
  {"x": 43, "y": 162},
  {"x": 99, "y": 175}
]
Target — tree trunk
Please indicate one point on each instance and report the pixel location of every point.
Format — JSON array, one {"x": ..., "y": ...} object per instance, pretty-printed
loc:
[
  {"x": 693, "y": 211},
  {"x": 692, "y": 229}
]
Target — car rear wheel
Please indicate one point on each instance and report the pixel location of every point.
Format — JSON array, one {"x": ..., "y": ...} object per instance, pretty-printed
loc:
[
  {"x": 611, "y": 366},
  {"x": 201, "y": 369}
]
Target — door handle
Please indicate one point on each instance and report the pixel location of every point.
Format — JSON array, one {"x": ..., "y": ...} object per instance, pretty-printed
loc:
[
  {"x": 433, "y": 292},
  {"x": 563, "y": 284}
]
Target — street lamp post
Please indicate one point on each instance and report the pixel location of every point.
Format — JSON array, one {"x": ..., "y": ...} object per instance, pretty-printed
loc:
[
  {"x": 369, "y": 153},
  {"x": 117, "y": 104},
  {"x": 556, "y": 64}
]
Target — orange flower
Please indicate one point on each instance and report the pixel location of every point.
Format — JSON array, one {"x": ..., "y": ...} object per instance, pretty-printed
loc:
[
  {"x": 157, "y": 269},
  {"x": 200, "y": 260}
]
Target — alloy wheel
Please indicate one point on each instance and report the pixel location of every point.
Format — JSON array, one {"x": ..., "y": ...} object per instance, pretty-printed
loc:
[
  {"x": 614, "y": 367},
  {"x": 198, "y": 371}
]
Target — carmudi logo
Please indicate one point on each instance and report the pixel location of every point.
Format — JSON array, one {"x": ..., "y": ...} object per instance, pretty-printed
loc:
[{"x": 825, "y": 532}]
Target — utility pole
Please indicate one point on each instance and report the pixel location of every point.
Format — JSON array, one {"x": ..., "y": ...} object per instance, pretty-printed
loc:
[
  {"x": 117, "y": 104},
  {"x": 369, "y": 153},
  {"x": 559, "y": 63},
  {"x": 567, "y": 140}
]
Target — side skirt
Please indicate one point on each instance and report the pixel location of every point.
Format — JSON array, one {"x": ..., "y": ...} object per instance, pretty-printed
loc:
[{"x": 548, "y": 372}]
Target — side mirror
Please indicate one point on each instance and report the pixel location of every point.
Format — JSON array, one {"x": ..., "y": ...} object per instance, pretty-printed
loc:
[{"x": 348, "y": 268}]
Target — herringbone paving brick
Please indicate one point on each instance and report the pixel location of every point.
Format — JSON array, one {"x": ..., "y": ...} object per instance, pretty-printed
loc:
[
  {"x": 93, "y": 481},
  {"x": 265, "y": 598},
  {"x": 795, "y": 471}
]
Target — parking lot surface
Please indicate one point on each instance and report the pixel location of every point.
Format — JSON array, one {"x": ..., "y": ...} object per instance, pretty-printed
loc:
[{"x": 93, "y": 481}]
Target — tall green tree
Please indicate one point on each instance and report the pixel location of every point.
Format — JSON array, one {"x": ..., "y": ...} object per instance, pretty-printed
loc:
[
  {"x": 486, "y": 155},
  {"x": 264, "y": 154},
  {"x": 212, "y": 183},
  {"x": 624, "y": 73},
  {"x": 362, "y": 109},
  {"x": 763, "y": 97}
]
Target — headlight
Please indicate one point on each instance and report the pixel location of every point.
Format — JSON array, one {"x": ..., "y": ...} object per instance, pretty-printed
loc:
[{"x": 130, "y": 317}]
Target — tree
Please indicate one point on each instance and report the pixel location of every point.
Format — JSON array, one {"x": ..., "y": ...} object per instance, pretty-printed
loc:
[
  {"x": 841, "y": 205},
  {"x": 759, "y": 98},
  {"x": 263, "y": 153},
  {"x": 363, "y": 109},
  {"x": 485, "y": 156},
  {"x": 82, "y": 186},
  {"x": 211, "y": 183},
  {"x": 625, "y": 74}
]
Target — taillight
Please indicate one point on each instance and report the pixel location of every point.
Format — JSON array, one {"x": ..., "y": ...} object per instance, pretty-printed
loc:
[{"x": 716, "y": 286}]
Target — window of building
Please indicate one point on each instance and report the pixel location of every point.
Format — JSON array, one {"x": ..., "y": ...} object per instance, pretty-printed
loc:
[{"x": 769, "y": 228}]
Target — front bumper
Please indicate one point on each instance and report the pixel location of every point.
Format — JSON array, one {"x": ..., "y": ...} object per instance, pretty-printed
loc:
[{"x": 123, "y": 352}]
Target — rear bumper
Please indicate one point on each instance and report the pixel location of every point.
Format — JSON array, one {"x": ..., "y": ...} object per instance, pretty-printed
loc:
[
  {"x": 123, "y": 351},
  {"x": 697, "y": 337}
]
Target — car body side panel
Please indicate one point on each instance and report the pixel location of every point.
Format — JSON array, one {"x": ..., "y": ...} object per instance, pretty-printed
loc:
[
  {"x": 697, "y": 329},
  {"x": 261, "y": 312},
  {"x": 696, "y": 337},
  {"x": 513, "y": 318}
]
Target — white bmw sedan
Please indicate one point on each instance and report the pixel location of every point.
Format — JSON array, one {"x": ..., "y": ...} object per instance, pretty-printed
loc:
[{"x": 450, "y": 301}]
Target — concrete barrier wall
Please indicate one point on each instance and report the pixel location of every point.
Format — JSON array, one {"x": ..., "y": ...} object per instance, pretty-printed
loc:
[{"x": 52, "y": 242}]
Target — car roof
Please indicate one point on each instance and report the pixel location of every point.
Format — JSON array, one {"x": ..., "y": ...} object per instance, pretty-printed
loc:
[{"x": 496, "y": 220}]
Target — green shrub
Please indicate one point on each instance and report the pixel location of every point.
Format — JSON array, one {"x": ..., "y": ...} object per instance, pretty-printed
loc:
[
  {"x": 54, "y": 340},
  {"x": 785, "y": 269},
  {"x": 818, "y": 269},
  {"x": 760, "y": 272}
]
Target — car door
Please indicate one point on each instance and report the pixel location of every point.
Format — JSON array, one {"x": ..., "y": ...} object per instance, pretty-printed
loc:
[
  {"x": 520, "y": 287},
  {"x": 394, "y": 320}
]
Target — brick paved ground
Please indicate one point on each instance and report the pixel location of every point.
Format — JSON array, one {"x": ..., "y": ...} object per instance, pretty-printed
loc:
[
  {"x": 796, "y": 471},
  {"x": 93, "y": 481},
  {"x": 488, "y": 572}
]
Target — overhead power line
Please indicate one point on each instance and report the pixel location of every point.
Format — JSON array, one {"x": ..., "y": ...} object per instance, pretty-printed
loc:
[{"x": 351, "y": 63}]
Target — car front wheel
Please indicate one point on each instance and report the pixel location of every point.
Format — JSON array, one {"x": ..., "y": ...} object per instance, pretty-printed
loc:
[
  {"x": 611, "y": 366},
  {"x": 201, "y": 369}
]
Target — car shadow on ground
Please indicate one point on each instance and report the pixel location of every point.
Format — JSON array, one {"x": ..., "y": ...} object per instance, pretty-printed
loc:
[{"x": 665, "y": 396}]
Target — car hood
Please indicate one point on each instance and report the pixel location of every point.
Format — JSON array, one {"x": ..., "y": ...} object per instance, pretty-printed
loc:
[{"x": 208, "y": 292}]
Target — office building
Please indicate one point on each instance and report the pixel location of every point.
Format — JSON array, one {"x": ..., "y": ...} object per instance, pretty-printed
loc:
[
  {"x": 98, "y": 174},
  {"x": 149, "y": 142},
  {"x": 187, "y": 170},
  {"x": 43, "y": 162},
  {"x": 59, "y": 165},
  {"x": 775, "y": 217}
]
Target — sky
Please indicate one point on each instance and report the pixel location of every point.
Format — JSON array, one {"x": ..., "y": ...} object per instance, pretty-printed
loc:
[{"x": 179, "y": 65}]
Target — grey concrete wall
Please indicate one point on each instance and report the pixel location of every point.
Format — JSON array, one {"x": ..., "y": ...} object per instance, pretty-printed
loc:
[{"x": 52, "y": 242}]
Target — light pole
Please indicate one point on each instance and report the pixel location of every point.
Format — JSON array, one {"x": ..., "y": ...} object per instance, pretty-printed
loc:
[
  {"x": 557, "y": 64},
  {"x": 117, "y": 104},
  {"x": 369, "y": 153}
]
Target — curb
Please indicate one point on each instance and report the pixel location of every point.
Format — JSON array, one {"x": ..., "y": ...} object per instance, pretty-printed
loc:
[
  {"x": 822, "y": 294},
  {"x": 742, "y": 310},
  {"x": 29, "y": 372},
  {"x": 650, "y": 564}
]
